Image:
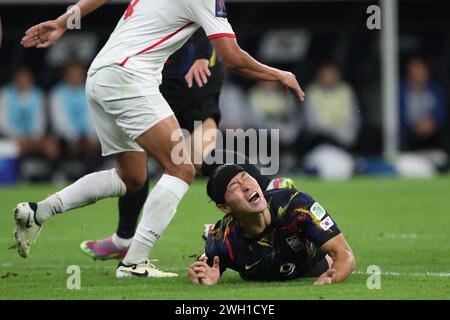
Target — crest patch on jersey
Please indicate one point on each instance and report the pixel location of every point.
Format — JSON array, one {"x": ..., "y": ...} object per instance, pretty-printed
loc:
[
  {"x": 221, "y": 11},
  {"x": 327, "y": 223},
  {"x": 318, "y": 211},
  {"x": 295, "y": 243},
  {"x": 207, "y": 230}
]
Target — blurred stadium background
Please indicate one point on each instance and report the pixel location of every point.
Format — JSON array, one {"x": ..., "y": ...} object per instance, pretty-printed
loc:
[{"x": 370, "y": 108}]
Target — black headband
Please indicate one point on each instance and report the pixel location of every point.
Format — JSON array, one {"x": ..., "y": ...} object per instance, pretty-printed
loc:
[{"x": 219, "y": 180}]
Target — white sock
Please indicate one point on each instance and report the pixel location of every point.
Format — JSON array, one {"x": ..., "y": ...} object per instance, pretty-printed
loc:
[
  {"x": 84, "y": 191},
  {"x": 159, "y": 209},
  {"x": 137, "y": 253},
  {"x": 47, "y": 208},
  {"x": 119, "y": 242}
]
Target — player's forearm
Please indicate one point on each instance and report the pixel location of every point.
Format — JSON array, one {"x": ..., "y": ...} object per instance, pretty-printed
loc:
[
  {"x": 344, "y": 264},
  {"x": 246, "y": 66},
  {"x": 84, "y": 6}
]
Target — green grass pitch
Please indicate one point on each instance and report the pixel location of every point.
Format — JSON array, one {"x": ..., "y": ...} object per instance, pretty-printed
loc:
[{"x": 403, "y": 226}]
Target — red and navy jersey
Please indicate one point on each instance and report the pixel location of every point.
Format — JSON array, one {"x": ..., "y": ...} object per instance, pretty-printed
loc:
[{"x": 288, "y": 247}]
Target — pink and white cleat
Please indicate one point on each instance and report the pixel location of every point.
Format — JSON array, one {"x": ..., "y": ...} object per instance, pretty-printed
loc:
[
  {"x": 104, "y": 249},
  {"x": 281, "y": 183}
]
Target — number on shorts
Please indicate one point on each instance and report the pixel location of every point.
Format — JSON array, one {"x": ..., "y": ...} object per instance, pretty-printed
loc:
[{"x": 130, "y": 9}]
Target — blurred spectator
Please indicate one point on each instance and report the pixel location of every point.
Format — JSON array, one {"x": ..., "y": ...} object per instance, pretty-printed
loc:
[
  {"x": 236, "y": 113},
  {"x": 275, "y": 108},
  {"x": 234, "y": 107},
  {"x": 23, "y": 118},
  {"x": 72, "y": 124},
  {"x": 423, "y": 114},
  {"x": 332, "y": 124}
]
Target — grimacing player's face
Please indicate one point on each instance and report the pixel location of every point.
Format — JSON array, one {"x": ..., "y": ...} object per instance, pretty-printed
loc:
[{"x": 244, "y": 195}]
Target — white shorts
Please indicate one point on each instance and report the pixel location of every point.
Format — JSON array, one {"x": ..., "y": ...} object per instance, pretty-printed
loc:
[{"x": 123, "y": 107}]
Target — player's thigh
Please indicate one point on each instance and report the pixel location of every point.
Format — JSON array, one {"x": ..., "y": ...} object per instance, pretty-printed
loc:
[
  {"x": 144, "y": 116},
  {"x": 204, "y": 110},
  {"x": 202, "y": 141},
  {"x": 131, "y": 164},
  {"x": 165, "y": 143},
  {"x": 112, "y": 138}
]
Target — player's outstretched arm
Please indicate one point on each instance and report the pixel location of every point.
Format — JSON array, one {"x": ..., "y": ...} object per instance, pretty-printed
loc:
[
  {"x": 47, "y": 33},
  {"x": 245, "y": 65},
  {"x": 343, "y": 261},
  {"x": 201, "y": 273}
]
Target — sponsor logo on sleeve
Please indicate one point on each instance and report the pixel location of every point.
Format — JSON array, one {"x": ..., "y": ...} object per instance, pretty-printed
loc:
[
  {"x": 318, "y": 211},
  {"x": 327, "y": 223},
  {"x": 221, "y": 11}
]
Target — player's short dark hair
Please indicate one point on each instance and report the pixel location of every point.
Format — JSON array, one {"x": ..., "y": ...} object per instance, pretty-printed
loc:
[{"x": 219, "y": 180}]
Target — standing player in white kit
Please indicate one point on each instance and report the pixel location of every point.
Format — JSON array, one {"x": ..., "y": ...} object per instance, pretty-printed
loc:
[{"x": 132, "y": 118}]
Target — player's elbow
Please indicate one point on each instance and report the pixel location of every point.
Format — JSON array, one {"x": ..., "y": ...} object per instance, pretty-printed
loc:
[
  {"x": 234, "y": 61},
  {"x": 350, "y": 259}
]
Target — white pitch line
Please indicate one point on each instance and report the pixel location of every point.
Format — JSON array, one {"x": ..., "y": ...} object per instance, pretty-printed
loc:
[
  {"x": 94, "y": 267},
  {"x": 407, "y": 274},
  {"x": 112, "y": 267},
  {"x": 400, "y": 236}
]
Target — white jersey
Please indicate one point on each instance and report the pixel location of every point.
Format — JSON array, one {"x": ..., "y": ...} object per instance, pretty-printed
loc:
[{"x": 151, "y": 30}]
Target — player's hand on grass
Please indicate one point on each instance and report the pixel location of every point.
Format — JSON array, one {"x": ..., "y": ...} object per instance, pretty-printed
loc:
[
  {"x": 44, "y": 34},
  {"x": 210, "y": 275},
  {"x": 192, "y": 275},
  {"x": 199, "y": 72},
  {"x": 201, "y": 273},
  {"x": 326, "y": 277},
  {"x": 289, "y": 81}
]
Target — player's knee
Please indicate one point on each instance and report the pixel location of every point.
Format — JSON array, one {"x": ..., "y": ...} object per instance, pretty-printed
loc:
[
  {"x": 185, "y": 172},
  {"x": 198, "y": 168},
  {"x": 133, "y": 180},
  {"x": 135, "y": 183}
]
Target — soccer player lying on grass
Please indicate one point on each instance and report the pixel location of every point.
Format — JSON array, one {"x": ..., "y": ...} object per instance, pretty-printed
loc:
[{"x": 281, "y": 234}]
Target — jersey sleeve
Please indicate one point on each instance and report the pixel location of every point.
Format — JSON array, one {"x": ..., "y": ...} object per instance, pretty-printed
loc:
[
  {"x": 211, "y": 15},
  {"x": 313, "y": 220}
]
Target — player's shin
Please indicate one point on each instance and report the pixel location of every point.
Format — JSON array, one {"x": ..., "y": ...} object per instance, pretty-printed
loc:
[
  {"x": 159, "y": 209},
  {"x": 130, "y": 207},
  {"x": 85, "y": 191}
]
